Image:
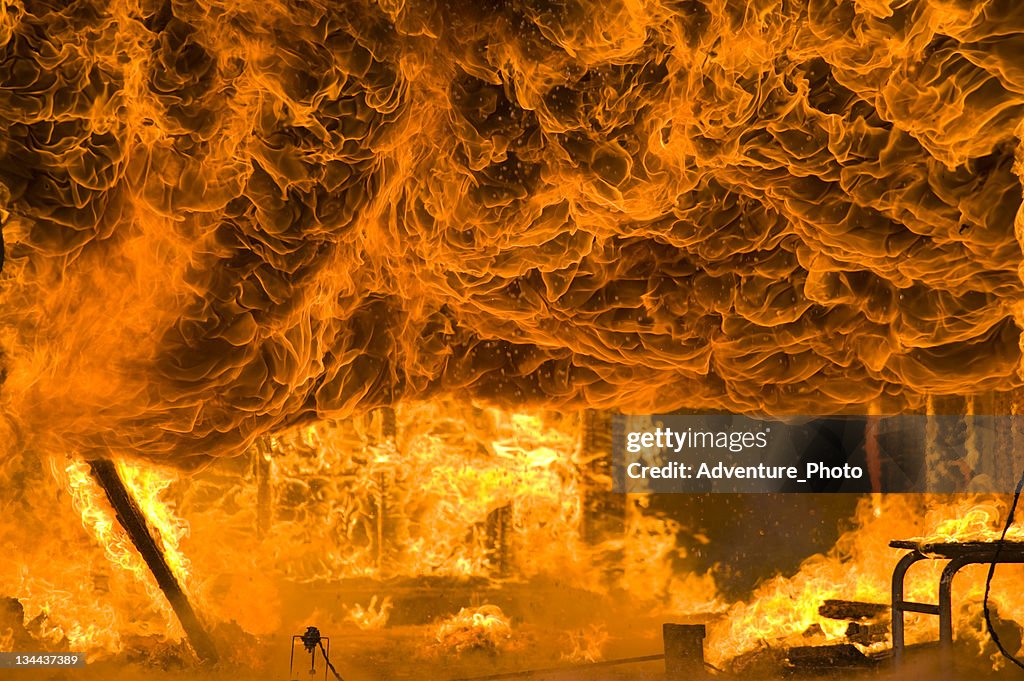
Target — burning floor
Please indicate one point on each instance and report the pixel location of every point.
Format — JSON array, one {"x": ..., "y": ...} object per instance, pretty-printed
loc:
[{"x": 449, "y": 541}]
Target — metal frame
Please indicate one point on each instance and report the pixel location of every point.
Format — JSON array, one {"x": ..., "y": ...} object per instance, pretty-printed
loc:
[
  {"x": 312, "y": 664},
  {"x": 958, "y": 555}
]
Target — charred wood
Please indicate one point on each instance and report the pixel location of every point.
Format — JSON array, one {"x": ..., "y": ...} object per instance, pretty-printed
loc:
[
  {"x": 852, "y": 610},
  {"x": 132, "y": 519}
]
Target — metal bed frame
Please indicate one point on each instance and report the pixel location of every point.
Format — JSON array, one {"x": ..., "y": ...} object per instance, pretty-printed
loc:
[{"x": 958, "y": 555}]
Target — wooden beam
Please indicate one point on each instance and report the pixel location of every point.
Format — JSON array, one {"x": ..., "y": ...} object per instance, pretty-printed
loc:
[
  {"x": 264, "y": 487},
  {"x": 853, "y": 610},
  {"x": 133, "y": 521},
  {"x": 684, "y": 651}
]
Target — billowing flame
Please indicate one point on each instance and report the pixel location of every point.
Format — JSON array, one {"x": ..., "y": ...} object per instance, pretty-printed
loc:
[{"x": 223, "y": 218}]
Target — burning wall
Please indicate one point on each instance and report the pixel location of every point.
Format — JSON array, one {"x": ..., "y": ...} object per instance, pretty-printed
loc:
[
  {"x": 364, "y": 534},
  {"x": 459, "y": 503}
]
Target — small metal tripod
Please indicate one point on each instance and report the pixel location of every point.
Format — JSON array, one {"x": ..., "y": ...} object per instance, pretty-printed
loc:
[{"x": 311, "y": 640}]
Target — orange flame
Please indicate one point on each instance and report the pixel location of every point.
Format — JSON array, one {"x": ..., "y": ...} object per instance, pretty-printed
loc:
[
  {"x": 237, "y": 218},
  {"x": 859, "y": 568},
  {"x": 484, "y": 628}
]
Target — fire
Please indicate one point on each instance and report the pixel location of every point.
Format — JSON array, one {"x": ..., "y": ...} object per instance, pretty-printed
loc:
[
  {"x": 99, "y": 520},
  {"x": 588, "y": 644},
  {"x": 448, "y": 490},
  {"x": 232, "y": 226},
  {"x": 483, "y": 628},
  {"x": 245, "y": 218},
  {"x": 860, "y": 566},
  {"x": 81, "y": 585},
  {"x": 458, "y": 491},
  {"x": 149, "y": 487},
  {"x": 373, "y": 616},
  {"x": 424, "y": 502},
  {"x": 974, "y": 518}
]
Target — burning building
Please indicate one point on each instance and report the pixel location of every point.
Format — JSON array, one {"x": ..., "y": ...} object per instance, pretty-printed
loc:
[{"x": 319, "y": 313}]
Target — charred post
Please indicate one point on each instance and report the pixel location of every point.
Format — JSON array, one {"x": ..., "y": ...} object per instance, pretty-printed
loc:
[
  {"x": 385, "y": 433},
  {"x": 684, "y": 651},
  {"x": 264, "y": 487},
  {"x": 604, "y": 513},
  {"x": 131, "y": 518},
  {"x": 498, "y": 549}
]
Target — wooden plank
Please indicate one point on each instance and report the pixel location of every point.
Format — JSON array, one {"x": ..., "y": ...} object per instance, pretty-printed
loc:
[
  {"x": 867, "y": 633},
  {"x": 133, "y": 521},
  {"x": 852, "y": 610},
  {"x": 843, "y": 655}
]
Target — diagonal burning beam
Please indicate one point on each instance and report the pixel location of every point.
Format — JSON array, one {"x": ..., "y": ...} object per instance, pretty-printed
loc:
[{"x": 134, "y": 522}]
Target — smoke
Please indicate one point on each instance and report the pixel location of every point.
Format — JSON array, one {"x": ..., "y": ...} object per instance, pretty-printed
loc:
[{"x": 223, "y": 218}]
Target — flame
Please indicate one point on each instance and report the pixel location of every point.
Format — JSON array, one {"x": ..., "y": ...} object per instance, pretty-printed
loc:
[
  {"x": 7, "y": 638},
  {"x": 81, "y": 584},
  {"x": 859, "y": 568},
  {"x": 974, "y": 518},
  {"x": 225, "y": 219},
  {"x": 444, "y": 470},
  {"x": 587, "y": 644},
  {"x": 148, "y": 486},
  {"x": 482, "y": 628},
  {"x": 373, "y": 616},
  {"x": 98, "y": 519},
  {"x": 461, "y": 491},
  {"x": 230, "y": 223},
  {"x": 424, "y": 494}
]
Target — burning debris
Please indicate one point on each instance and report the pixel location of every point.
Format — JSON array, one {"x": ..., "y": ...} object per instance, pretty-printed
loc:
[
  {"x": 587, "y": 644},
  {"x": 484, "y": 628},
  {"x": 373, "y": 616},
  {"x": 132, "y": 519},
  {"x": 832, "y": 613}
]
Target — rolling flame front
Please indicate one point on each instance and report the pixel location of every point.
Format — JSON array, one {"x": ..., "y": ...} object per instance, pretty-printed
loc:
[{"x": 223, "y": 218}]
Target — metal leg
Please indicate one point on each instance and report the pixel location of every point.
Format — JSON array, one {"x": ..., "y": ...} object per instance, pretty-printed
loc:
[
  {"x": 958, "y": 556},
  {"x": 946, "y": 602},
  {"x": 898, "y": 576}
]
